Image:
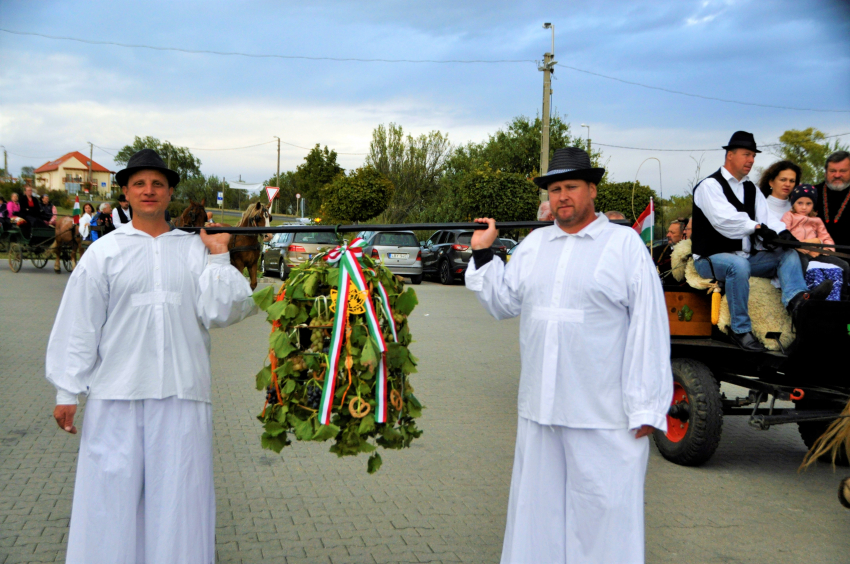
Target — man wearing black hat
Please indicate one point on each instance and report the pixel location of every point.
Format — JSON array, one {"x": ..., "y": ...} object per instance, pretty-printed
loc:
[
  {"x": 123, "y": 213},
  {"x": 732, "y": 234},
  {"x": 132, "y": 333},
  {"x": 596, "y": 377}
]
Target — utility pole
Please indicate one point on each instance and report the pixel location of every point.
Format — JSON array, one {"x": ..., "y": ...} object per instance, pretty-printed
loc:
[
  {"x": 547, "y": 68},
  {"x": 277, "y": 178},
  {"x": 588, "y": 137},
  {"x": 91, "y": 156}
]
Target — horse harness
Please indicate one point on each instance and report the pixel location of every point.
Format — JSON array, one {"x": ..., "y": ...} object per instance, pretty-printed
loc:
[{"x": 247, "y": 248}]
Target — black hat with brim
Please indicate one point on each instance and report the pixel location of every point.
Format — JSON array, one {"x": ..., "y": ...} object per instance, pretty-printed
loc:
[
  {"x": 570, "y": 163},
  {"x": 146, "y": 159},
  {"x": 742, "y": 140}
]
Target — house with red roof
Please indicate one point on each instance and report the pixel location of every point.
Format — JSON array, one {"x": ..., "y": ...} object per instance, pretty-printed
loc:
[{"x": 70, "y": 172}]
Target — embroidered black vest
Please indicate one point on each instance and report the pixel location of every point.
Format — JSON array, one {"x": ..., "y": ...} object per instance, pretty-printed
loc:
[{"x": 705, "y": 239}]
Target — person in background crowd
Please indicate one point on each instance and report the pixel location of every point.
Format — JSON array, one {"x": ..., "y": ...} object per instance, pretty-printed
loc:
[
  {"x": 85, "y": 221},
  {"x": 48, "y": 211},
  {"x": 614, "y": 215},
  {"x": 102, "y": 221},
  {"x": 803, "y": 223},
  {"x": 210, "y": 218},
  {"x": 730, "y": 218},
  {"x": 544, "y": 212},
  {"x": 31, "y": 209},
  {"x": 776, "y": 184},
  {"x": 688, "y": 229},
  {"x": 661, "y": 256},
  {"x": 123, "y": 213},
  {"x": 13, "y": 207},
  {"x": 834, "y": 194},
  {"x": 4, "y": 214}
]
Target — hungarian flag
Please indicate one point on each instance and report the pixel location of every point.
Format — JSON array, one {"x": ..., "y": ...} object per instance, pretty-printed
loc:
[
  {"x": 77, "y": 210},
  {"x": 644, "y": 223}
]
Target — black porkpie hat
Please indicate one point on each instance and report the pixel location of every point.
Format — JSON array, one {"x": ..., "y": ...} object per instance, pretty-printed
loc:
[
  {"x": 570, "y": 163},
  {"x": 742, "y": 140},
  {"x": 146, "y": 159}
]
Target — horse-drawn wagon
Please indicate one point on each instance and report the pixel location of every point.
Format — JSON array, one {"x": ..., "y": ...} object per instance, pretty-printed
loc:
[
  {"x": 39, "y": 244},
  {"x": 807, "y": 368}
]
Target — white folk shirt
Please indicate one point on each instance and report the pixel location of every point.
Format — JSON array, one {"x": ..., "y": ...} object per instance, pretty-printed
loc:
[
  {"x": 133, "y": 323},
  {"x": 594, "y": 336},
  {"x": 728, "y": 221}
]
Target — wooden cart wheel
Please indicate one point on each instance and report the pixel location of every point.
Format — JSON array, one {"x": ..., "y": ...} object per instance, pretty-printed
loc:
[
  {"x": 66, "y": 262},
  {"x": 16, "y": 257},
  {"x": 39, "y": 260}
]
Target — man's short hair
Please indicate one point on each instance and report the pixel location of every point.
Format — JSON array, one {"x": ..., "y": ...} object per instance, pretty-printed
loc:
[
  {"x": 836, "y": 157},
  {"x": 614, "y": 214},
  {"x": 103, "y": 206}
]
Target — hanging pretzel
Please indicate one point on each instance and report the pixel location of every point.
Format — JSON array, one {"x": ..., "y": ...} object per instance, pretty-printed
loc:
[
  {"x": 396, "y": 401},
  {"x": 362, "y": 410}
]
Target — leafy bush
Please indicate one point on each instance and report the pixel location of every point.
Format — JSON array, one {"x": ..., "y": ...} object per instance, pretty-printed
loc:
[
  {"x": 359, "y": 196},
  {"x": 617, "y": 196},
  {"x": 504, "y": 196}
]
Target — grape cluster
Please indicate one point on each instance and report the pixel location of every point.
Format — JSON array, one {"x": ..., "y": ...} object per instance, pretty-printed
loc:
[
  {"x": 298, "y": 363},
  {"x": 271, "y": 395},
  {"x": 314, "y": 397}
]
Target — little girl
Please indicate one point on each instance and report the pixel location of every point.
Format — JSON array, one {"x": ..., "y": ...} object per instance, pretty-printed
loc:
[{"x": 803, "y": 223}]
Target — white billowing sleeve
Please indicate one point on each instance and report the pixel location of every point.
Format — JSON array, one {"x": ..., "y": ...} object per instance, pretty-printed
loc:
[
  {"x": 723, "y": 216},
  {"x": 72, "y": 351},
  {"x": 647, "y": 376},
  {"x": 225, "y": 294},
  {"x": 496, "y": 286}
]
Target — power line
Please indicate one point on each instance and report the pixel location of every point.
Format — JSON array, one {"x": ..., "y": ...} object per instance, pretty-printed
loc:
[
  {"x": 433, "y": 61},
  {"x": 699, "y": 150},
  {"x": 692, "y": 95},
  {"x": 267, "y": 55}
]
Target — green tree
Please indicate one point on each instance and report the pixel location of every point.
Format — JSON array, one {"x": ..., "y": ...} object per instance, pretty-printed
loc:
[
  {"x": 808, "y": 149},
  {"x": 617, "y": 196},
  {"x": 414, "y": 165},
  {"x": 180, "y": 159},
  {"x": 504, "y": 196},
  {"x": 360, "y": 196},
  {"x": 28, "y": 172},
  {"x": 318, "y": 169}
]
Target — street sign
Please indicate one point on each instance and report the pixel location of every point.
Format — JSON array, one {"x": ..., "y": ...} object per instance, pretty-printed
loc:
[
  {"x": 271, "y": 192},
  {"x": 297, "y": 196},
  {"x": 220, "y": 198},
  {"x": 103, "y": 184}
]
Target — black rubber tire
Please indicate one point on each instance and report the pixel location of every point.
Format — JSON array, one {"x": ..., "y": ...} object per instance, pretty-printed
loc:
[
  {"x": 416, "y": 280},
  {"x": 706, "y": 415},
  {"x": 445, "y": 273},
  {"x": 282, "y": 273},
  {"x": 262, "y": 267},
  {"x": 811, "y": 430}
]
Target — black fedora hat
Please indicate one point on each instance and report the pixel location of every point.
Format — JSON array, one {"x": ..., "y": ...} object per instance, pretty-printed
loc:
[
  {"x": 570, "y": 163},
  {"x": 742, "y": 140},
  {"x": 146, "y": 159}
]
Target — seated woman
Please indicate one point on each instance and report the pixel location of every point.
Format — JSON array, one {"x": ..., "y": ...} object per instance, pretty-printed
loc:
[
  {"x": 13, "y": 208},
  {"x": 48, "y": 211},
  {"x": 802, "y": 221},
  {"x": 85, "y": 220},
  {"x": 776, "y": 184}
]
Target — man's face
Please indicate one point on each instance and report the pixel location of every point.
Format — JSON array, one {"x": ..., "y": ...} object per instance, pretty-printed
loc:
[
  {"x": 108, "y": 209},
  {"x": 739, "y": 162},
  {"x": 674, "y": 233},
  {"x": 124, "y": 205},
  {"x": 28, "y": 192},
  {"x": 572, "y": 201},
  {"x": 838, "y": 174},
  {"x": 688, "y": 230},
  {"x": 149, "y": 194}
]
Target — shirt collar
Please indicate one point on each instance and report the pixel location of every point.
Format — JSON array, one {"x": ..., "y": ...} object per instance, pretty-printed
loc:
[
  {"x": 729, "y": 178},
  {"x": 593, "y": 229},
  {"x": 130, "y": 230}
]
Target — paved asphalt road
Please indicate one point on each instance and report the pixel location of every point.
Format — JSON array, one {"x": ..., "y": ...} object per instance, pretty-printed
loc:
[{"x": 443, "y": 500}]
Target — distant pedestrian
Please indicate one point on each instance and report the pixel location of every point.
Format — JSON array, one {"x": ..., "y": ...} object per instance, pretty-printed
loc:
[{"x": 123, "y": 213}]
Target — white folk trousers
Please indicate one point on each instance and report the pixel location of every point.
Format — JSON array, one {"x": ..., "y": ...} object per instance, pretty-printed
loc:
[
  {"x": 144, "y": 491},
  {"x": 576, "y": 496}
]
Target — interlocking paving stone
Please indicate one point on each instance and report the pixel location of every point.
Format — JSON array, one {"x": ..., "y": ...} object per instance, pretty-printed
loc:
[{"x": 443, "y": 500}]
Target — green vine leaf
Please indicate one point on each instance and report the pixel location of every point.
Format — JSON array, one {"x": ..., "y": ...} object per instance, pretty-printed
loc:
[
  {"x": 325, "y": 432},
  {"x": 374, "y": 463},
  {"x": 264, "y": 378},
  {"x": 272, "y": 443},
  {"x": 264, "y": 298},
  {"x": 405, "y": 303},
  {"x": 282, "y": 345}
]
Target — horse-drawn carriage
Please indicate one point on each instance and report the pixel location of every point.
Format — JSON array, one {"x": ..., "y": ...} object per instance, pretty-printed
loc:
[
  {"x": 807, "y": 368},
  {"x": 38, "y": 245}
]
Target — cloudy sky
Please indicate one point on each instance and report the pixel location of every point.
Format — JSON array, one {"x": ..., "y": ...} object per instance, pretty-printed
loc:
[{"x": 57, "y": 95}]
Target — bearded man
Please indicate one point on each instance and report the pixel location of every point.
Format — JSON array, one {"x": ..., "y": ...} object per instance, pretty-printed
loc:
[
  {"x": 834, "y": 194},
  {"x": 132, "y": 333},
  {"x": 596, "y": 378}
]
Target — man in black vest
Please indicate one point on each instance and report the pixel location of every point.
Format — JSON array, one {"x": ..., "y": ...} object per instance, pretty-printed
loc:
[
  {"x": 732, "y": 228},
  {"x": 834, "y": 196},
  {"x": 123, "y": 213}
]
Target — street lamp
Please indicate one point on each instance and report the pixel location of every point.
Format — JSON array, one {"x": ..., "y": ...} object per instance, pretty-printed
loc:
[
  {"x": 551, "y": 26},
  {"x": 588, "y": 137}
]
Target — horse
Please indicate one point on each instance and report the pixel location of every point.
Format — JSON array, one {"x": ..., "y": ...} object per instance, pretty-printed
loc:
[
  {"x": 193, "y": 216},
  {"x": 245, "y": 249},
  {"x": 67, "y": 235}
]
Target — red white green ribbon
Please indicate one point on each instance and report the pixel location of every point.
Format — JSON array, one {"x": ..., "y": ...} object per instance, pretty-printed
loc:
[{"x": 351, "y": 273}]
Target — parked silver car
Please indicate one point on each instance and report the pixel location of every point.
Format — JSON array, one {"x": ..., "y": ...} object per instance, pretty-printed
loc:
[{"x": 397, "y": 250}]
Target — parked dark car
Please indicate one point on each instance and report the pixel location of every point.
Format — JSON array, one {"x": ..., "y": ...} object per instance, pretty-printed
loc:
[{"x": 446, "y": 254}]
